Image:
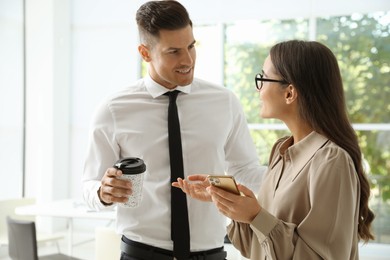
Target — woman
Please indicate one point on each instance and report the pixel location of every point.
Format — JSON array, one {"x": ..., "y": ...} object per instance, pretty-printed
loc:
[{"x": 313, "y": 202}]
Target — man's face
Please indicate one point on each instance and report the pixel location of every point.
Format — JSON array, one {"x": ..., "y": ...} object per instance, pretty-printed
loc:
[{"x": 172, "y": 57}]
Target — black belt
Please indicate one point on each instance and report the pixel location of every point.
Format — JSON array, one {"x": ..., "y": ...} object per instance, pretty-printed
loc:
[{"x": 148, "y": 252}]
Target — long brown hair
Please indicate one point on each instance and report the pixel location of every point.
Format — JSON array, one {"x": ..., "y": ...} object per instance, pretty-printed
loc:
[{"x": 313, "y": 70}]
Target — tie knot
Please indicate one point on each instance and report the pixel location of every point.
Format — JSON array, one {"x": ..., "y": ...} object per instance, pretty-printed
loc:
[{"x": 172, "y": 95}]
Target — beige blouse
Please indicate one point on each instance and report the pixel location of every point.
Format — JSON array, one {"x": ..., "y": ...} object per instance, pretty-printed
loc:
[{"x": 310, "y": 205}]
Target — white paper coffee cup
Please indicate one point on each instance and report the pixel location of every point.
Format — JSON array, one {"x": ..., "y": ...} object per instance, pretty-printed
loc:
[{"x": 133, "y": 169}]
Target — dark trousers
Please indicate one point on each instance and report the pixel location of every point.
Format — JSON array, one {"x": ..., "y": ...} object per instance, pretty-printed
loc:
[
  {"x": 132, "y": 250},
  {"x": 125, "y": 256}
]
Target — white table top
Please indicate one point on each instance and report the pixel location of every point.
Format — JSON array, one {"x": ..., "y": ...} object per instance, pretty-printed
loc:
[{"x": 68, "y": 208}]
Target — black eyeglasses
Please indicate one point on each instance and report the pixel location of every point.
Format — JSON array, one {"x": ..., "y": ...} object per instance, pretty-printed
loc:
[{"x": 260, "y": 77}]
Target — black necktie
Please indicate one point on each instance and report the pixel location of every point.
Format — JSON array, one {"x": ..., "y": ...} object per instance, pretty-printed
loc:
[{"x": 180, "y": 233}]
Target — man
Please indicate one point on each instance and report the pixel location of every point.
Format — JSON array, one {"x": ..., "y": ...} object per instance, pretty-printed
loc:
[{"x": 133, "y": 123}]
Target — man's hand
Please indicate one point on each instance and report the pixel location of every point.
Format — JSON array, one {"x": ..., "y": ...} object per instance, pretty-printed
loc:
[
  {"x": 195, "y": 186},
  {"x": 112, "y": 189}
]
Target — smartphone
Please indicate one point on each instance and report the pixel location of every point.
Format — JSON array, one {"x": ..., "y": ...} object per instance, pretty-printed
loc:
[{"x": 225, "y": 182}]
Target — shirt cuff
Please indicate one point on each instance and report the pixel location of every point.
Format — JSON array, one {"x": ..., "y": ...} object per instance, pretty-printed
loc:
[
  {"x": 91, "y": 197},
  {"x": 263, "y": 224}
]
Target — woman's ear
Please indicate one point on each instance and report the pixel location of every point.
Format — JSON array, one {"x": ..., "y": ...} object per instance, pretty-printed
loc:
[
  {"x": 291, "y": 94},
  {"x": 144, "y": 51}
]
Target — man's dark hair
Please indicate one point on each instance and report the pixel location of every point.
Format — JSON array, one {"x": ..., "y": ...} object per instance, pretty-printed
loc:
[{"x": 154, "y": 16}]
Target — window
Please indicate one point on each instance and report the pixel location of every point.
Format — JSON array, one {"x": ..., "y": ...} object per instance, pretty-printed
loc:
[{"x": 361, "y": 44}]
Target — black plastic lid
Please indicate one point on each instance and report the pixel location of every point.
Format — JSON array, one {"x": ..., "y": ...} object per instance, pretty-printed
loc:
[{"x": 130, "y": 165}]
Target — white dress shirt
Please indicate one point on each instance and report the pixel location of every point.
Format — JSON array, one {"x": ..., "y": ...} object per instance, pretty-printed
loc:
[{"x": 215, "y": 140}]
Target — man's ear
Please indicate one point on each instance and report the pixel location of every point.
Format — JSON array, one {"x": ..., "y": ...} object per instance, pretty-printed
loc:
[
  {"x": 144, "y": 51},
  {"x": 291, "y": 94}
]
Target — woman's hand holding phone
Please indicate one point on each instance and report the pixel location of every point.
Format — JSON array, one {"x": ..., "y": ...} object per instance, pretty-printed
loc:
[{"x": 242, "y": 208}]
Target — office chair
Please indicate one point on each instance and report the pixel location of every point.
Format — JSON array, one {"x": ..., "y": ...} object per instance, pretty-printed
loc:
[
  {"x": 7, "y": 208},
  {"x": 22, "y": 242}
]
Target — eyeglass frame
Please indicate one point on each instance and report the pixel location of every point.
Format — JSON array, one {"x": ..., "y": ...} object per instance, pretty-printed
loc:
[{"x": 260, "y": 77}]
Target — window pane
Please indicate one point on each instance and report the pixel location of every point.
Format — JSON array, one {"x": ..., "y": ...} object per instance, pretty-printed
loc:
[
  {"x": 247, "y": 45},
  {"x": 209, "y": 53},
  {"x": 361, "y": 44}
]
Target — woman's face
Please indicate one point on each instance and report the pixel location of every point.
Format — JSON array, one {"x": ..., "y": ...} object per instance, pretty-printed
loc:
[{"x": 272, "y": 94}]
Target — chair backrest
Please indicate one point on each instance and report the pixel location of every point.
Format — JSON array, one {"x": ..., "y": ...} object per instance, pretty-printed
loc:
[
  {"x": 7, "y": 208},
  {"x": 22, "y": 241}
]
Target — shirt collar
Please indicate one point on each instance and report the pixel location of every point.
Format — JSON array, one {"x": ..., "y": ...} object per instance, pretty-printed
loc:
[
  {"x": 157, "y": 90},
  {"x": 301, "y": 152}
]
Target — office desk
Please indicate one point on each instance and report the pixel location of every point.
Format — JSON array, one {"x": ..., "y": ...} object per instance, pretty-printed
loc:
[{"x": 69, "y": 209}]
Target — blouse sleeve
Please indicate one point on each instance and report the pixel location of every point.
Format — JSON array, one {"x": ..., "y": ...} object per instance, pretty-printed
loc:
[
  {"x": 329, "y": 230},
  {"x": 240, "y": 234}
]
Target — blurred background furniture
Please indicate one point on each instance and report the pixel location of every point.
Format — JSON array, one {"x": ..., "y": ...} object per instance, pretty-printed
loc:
[
  {"x": 69, "y": 209},
  {"x": 22, "y": 242},
  {"x": 7, "y": 208}
]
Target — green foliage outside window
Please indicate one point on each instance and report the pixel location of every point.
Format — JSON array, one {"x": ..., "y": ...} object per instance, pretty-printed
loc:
[{"x": 362, "y": 46}]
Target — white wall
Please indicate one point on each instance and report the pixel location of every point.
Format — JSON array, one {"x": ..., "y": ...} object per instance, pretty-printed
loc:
[
  {"x": 47, "y": 102},
  {"x": 104, "y": 59},
  {"x": 222, "y": 10},
  {"x": 11, "y": 101}
]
